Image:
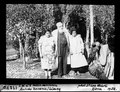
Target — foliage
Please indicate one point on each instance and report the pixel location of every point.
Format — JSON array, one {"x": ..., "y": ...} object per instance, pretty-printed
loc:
[
  {"x": 15, "y": 44},
  {"x": 23, "y": 19},
  {"x": 68, "y": 9},
  {"x": 38, "y": 18},
  {"x": 104, "y": 17}
]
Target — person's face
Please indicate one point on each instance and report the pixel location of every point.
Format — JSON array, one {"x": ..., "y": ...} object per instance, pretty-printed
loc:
[
  {"x": 74, "y": 33},
  {"x": 60, "y": 27},
  {"x": 47, "y": 34}
]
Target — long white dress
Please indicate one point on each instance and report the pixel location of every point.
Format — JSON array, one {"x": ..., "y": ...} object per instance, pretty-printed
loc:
[{"x": 76, "y": 46}]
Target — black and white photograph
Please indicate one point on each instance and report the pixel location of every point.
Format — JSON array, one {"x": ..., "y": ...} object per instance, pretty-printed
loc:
[{"x": 60, "y": 41}]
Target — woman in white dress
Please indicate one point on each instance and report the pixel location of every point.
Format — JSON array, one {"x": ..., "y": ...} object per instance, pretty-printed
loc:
[
  {"x": 78, "y": 60},
  {"x": 47, "y": 53}
]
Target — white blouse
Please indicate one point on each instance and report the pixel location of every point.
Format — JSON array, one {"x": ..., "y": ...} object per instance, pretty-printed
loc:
[
  {"x": 47, "y": 45},
  {"x": 76, "y": 44}
]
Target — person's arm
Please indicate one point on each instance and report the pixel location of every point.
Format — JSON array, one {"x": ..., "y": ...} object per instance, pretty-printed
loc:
[
  {"x": 70, "y": 51},
  {"x": 54, "y": 35},
  {"x": 54, "y": 47},
  {"x": 67, "y": 32},
  {"x": 82, "y": 45}
]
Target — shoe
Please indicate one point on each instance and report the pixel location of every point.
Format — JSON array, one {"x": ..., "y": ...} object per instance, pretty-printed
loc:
[
  {"x": 72, "y": 73},
  {"x": 78, "y": 73},
  {"x": 59, "y": 76},
  {"x": 65, "y": 76},
  {"x": 49, "y": 77}
]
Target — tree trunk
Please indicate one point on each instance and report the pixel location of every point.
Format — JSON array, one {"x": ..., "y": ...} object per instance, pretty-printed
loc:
[
  {"x": 91, "y": 24},
  {"x": 24, "y": 62},
  {"x": 87, "y": 41},
  {"x": 20, "y": 47},
  {"x": 36, "y": 49},
  {"x": 87, "y": 34},
  {"x": 22, "y": 53},
  {"x": 102, "y": 35},
  {"x": 65, "y": 20},
  {"x": 106, "y": 38},
  {"x": 27, "y": 44},
  {"x": 25, "y": 51}
]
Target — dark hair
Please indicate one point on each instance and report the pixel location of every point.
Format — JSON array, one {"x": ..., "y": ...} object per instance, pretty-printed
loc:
[
  {"x": 72, "y": 29},
  {"x": 93, "y": 45},
  {"x": 48, "y": 31}
]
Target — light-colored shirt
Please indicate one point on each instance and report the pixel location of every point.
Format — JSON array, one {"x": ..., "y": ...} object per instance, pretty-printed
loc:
[
  {"x": 47, "y": 45},
  {"x": 76, "y": 44},
  {"x": 55, "y": 36}
]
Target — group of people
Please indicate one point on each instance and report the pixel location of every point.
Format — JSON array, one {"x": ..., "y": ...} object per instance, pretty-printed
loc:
[{"x": 60, "y": 48}]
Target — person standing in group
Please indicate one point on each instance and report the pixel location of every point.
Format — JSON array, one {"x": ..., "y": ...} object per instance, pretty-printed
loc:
[
  {"x": 78, "y": 60},
  {"x": 62, "y": 48},
  {"x": 47, "y": 53}
]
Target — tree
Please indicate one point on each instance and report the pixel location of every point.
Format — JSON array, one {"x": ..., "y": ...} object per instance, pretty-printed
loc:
[
  {"x": 44, "y": 20},
  {"x": 38, "y": 16},
  {"x": 105, "y": 18},
  {"x": 91, "y": 24},
  {"x": 23, "y": 21},
  {"x": 68, "y": 9},
  {"x": 86, "y": 14},
  {"x": 18, "y": 26}
]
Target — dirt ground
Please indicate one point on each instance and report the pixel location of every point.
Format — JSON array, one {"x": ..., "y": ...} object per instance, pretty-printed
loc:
[{"x": 14, "y": 69}]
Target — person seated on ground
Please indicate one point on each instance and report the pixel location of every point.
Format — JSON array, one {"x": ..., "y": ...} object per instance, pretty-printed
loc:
[
  {"x": 109, "y": 68},
  {"x": 95, "y": 67},
  {"x": 106, "y": 59},
  {"x": 94, "y": 52},
  {"x": 78, "y": 60}
]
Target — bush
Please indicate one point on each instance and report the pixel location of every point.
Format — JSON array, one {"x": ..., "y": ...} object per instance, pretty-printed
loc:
[{"x": 15, "y": 44}]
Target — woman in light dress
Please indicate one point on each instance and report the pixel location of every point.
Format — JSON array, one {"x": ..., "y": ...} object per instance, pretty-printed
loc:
[
  {"x": 47, "y": 53},
  {"x": 78, "y": 60}
]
